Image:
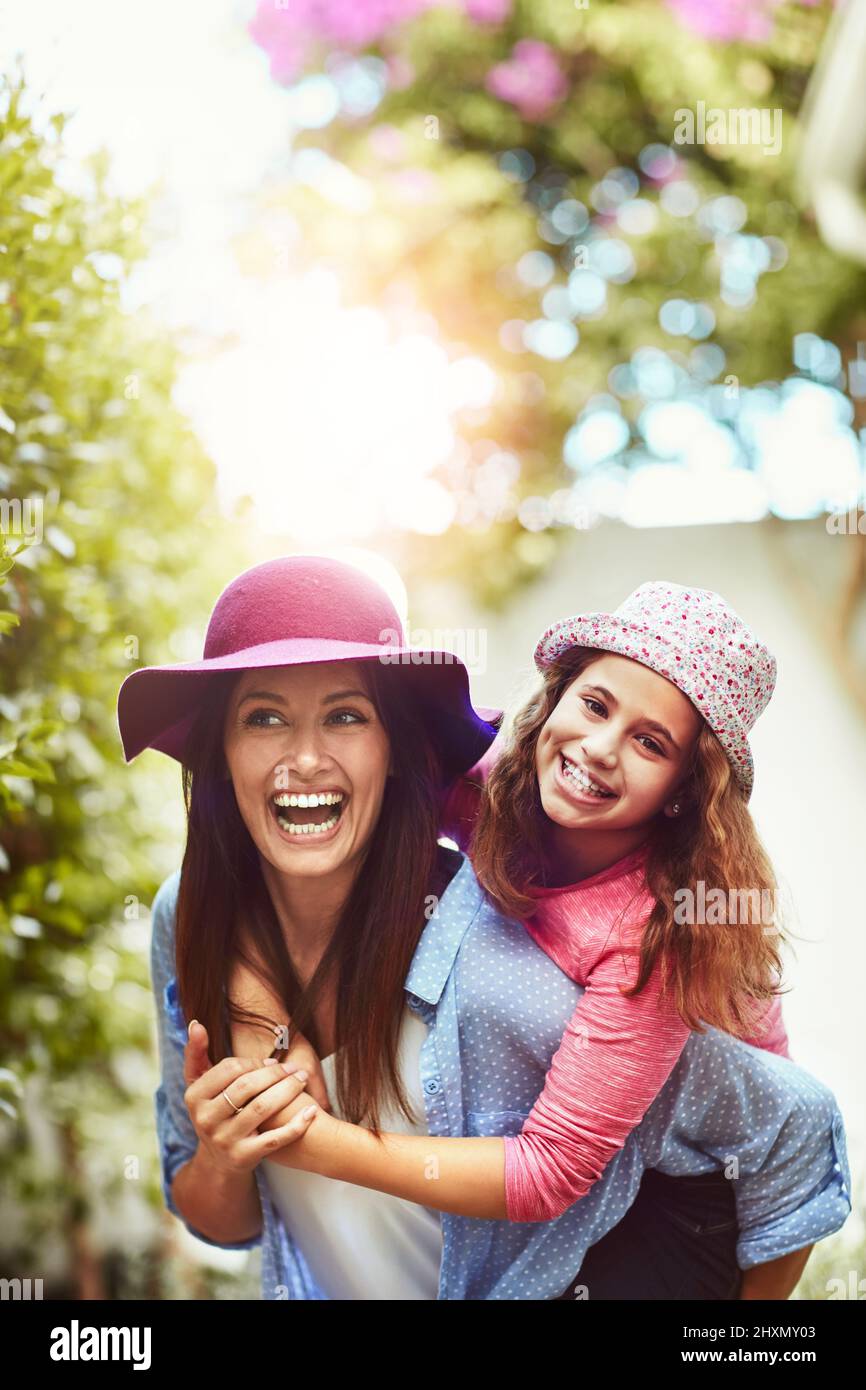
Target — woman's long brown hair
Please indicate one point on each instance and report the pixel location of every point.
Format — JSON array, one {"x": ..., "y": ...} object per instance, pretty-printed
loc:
[
  {"x": 718, "y": 975},
  {"x": 373, "y": 943}
]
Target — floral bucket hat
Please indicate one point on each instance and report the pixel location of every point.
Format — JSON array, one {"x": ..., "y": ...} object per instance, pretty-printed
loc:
[{"x": 696, "y": 640}]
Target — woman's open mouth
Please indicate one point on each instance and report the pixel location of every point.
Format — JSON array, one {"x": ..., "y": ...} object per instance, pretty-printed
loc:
[{"x": 308, "y": 816}]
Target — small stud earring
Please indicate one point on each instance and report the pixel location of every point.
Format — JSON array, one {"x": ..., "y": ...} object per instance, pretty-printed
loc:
[{"x": 676, "y": 808}]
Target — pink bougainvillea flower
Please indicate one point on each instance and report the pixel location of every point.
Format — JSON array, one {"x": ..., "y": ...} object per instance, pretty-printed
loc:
[
  {"x": 727, "y": 20},
  {"x": 284, "y": 44},
  {"x": 531, "y": 80},
  {"x": 288, "y": 33}
]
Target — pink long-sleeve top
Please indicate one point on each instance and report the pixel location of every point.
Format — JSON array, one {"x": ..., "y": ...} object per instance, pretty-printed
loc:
[{"x": 616, "y": 1053}]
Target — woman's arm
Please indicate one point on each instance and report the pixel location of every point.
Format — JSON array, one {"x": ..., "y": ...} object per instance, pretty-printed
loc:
[
  {"x": 222, "y": 1206},
  {"x": 178, "y": 1142},
  {"x": 777, "y": 1278},
  {"x": 792, "y": 1181}
]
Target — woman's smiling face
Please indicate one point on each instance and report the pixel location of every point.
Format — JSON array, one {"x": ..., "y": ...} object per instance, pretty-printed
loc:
[
  {"x": 300, "y": 731},
  {"x": 623, "y": 728}
]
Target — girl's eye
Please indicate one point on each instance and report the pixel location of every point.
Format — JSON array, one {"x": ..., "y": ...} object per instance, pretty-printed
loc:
[
  {"x": 655, "y": 747},
  {"x": 600, "y": 709},
  {"x": 588, "y": 700}
]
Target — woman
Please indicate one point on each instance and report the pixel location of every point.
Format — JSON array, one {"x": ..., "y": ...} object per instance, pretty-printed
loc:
[{"x": 323, "y": 948}]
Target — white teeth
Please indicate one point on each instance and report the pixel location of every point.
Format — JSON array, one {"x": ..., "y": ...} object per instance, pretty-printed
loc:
[
  {"x": 307, "y": 829},
  {"x": 308, "y": 801},
  {"x": 578, "y": 775}
]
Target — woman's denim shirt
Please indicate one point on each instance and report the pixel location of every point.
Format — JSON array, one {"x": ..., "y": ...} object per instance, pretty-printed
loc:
[{"x": 496, "y": 1008}]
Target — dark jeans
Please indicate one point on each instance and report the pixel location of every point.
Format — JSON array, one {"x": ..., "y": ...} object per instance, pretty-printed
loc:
[{"x": 678, "y": 1240}]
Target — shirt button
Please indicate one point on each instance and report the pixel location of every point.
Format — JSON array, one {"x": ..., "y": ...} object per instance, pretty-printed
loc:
[
  {"x": 432, "y": 1086},
  {"x": 837, "y": 1126}
]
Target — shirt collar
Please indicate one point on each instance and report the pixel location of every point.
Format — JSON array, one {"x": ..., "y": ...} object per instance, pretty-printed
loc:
[{"x": 440, "y": 940}]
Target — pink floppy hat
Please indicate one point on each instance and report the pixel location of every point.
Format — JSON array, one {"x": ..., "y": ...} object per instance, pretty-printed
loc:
[
  {"x": 291, "y": 611},
  {"x": 695, "y": 639}
]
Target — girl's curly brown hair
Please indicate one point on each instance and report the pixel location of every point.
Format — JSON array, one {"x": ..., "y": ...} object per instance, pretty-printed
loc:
[{"x": 721, "y": 976}]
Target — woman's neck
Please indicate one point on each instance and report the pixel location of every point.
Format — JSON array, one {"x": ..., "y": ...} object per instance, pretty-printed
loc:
[
  {"x": 308, "y": 909},
  {"x": 572, "y": 855}
]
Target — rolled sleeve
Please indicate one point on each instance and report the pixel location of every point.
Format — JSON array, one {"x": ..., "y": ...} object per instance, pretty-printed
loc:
[
  {"x": 176, "y": 1135},
  {"x": 802, "y": 1192}
]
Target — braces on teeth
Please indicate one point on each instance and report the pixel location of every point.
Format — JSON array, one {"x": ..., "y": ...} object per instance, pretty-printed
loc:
[{"x": 578, "y": 775}]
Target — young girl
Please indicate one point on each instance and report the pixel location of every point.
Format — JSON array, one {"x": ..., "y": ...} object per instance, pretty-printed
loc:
[
  {"x": 616, "y": 809},
  {"x": 622, "y": 793}
]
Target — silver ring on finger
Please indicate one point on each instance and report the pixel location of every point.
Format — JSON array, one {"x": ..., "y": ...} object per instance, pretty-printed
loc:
[{"x": 236, "y": 1108}]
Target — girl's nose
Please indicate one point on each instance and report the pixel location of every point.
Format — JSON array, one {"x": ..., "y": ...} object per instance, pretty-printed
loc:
[{"x": 600, "y": 750}]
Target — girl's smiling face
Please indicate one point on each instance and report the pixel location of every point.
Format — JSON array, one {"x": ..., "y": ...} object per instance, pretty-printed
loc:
[
  {"x": 302, "y": 731},
  {"x": 626, "y": 730}
]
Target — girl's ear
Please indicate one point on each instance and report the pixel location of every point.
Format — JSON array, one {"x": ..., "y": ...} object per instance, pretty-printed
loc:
[{"x": 675, "y": 807}]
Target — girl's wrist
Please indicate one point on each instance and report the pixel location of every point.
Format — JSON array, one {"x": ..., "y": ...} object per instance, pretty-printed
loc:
[{"x": 314, "y": 1151}]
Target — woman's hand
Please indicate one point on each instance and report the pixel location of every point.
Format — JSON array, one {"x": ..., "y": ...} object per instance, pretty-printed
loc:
[{"x": 260, "y": 1088}]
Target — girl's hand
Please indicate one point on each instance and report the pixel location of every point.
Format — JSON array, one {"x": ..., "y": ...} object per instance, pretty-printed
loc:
[
  {"x": 259, "y": 1087},
  {"x": 302, "y": 1055}
]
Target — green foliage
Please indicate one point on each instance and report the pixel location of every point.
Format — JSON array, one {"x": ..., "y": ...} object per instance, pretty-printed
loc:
[
  {"x": 453, "y": 246},
  {"x": 129, "y": 546}
]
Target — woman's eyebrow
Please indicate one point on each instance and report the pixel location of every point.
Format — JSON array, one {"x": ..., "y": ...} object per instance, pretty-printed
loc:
[
  {"x": 650, "y": 723},
  {"x": 262, "y": 695},
  {"x": 345, "y": 695},
  {"x": 279, "y": 700}
]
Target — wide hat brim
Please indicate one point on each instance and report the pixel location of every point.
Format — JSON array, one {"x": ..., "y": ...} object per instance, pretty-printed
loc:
[
  {"x": 157, "y": 705},
  {"x": 611, "y": 633}
]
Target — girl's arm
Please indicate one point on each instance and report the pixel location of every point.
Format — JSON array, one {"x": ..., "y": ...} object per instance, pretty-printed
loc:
[
  {"x": 615, "y": 1056},
  {"x": 613, "y": 1060},
  {"x": 448, "y": 1175},
  {"x": 461, "y": 1176}
]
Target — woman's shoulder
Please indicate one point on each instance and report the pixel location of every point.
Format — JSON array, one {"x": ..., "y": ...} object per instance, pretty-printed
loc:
[
  {"x": 165, "y": 897},
  {"x": 163, "y": 907}
]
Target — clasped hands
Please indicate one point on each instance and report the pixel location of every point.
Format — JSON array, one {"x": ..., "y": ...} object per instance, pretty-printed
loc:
[{"x": 276, "y": 1102}]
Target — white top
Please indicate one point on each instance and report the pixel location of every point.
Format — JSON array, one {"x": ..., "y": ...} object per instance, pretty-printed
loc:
[{"x": 359, "y": 1243}]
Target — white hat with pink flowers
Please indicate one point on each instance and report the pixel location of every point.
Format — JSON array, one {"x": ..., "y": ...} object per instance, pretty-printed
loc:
[{"x": 695, "y": 639}]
